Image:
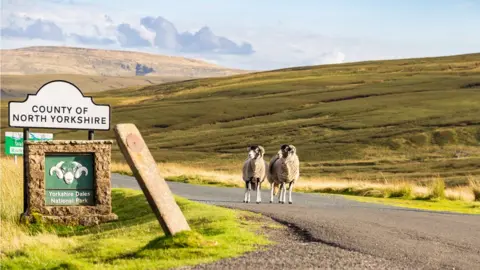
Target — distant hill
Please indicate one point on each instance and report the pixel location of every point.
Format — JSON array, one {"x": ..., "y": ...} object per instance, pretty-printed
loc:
[
  {"x": 25, "y": 70},
  {"x": 13, "y": 86},
  {"x": 95, "y": 62}
]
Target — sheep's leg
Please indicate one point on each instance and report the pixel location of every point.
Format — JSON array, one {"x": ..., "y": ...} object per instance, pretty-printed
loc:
[
  {"x": 272, "y": 186},
  {"x": 259, "y": 195},
  {"x": 246, "y": 192},
  {"x": 281, "y": 196},
  {"x": 290, "y": 188},
  {"x": 249, "y": 189},
  {"x": 280, "y": 190},
  {"x": 284, "y": 192}
]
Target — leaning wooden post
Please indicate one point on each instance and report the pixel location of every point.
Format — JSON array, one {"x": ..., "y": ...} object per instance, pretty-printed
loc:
[{"x": 153, "y": 185}]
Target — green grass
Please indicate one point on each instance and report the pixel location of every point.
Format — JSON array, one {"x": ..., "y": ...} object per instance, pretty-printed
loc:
[
  {"x": 400, "y": 119},
  {"x": 136, "y": 240},
  {"x": 198, "y": 180},
  {"x": 431, "y": 205}
]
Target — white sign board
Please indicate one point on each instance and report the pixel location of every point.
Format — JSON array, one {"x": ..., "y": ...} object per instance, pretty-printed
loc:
[
  {"x": 59, "y": 104},
  {"x": 14, "y": 141}
]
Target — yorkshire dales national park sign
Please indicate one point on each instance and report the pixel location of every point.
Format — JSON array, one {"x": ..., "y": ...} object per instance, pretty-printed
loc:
[
  {"x": 65, "y": 181},
  {"x": 69, "y": 180}
]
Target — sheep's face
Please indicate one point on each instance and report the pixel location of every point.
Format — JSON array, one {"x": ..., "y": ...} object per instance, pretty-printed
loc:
[
  {"x": 255, "y": 151},
  {"x": 287, "y": 150},
  {"x": 68, "y": 177},
  {"x": 68, "y": 171}
]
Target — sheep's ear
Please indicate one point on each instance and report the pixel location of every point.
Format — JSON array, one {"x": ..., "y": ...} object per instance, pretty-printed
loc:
[{"x": 262, "y": 150}]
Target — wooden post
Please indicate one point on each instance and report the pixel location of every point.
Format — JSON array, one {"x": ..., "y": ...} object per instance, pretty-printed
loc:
[
  {"x": 153, "y": 185},
  {"x": 90, "y": 134},
  {"x": 26, "y": 133}
]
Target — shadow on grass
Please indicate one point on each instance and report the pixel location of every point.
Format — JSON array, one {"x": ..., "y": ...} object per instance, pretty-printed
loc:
[
  {"x": 181, "y": 241},
  {"x": 186, "y": 239}
]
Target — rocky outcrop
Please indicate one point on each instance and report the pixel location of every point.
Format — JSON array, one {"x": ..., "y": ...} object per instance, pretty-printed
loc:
[{"x": 141, "y": 70}]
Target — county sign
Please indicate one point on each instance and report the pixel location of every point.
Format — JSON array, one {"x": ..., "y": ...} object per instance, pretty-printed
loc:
[
  {"x": 59, "y": 105},
  {"x": 14, "y": 141},
  {"x": 65, "y": 181}
]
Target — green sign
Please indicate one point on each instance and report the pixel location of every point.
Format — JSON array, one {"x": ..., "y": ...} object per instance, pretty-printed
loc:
[
  {"x": 69, "y": 179},
  {"x": 14, "y": 141}
]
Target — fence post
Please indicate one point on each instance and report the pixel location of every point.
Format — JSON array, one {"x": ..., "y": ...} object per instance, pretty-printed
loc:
[{"x": 26, "y": 133}]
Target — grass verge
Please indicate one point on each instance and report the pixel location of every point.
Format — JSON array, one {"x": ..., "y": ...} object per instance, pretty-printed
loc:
[
  {"x": 433, "y": 188},
  {"x": 431, "y": 204},
  {"x": 432, "y": 196},
  {"x": 134, "y": 241}
]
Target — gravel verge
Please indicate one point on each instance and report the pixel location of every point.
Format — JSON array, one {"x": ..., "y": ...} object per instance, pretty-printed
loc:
[{"x": 295, "y": 249}]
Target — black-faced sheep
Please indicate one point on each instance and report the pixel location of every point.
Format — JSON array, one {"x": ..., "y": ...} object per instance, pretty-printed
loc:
[
  {"x": 283, "y": 169},
  {"x": 254, "y": 171}
]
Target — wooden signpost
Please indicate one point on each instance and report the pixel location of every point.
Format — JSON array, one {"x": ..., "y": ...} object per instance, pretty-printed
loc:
[{"x": 152, "y": 183}]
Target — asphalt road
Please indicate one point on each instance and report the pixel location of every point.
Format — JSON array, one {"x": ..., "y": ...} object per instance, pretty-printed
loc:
[{"x": 370, "y": 234}]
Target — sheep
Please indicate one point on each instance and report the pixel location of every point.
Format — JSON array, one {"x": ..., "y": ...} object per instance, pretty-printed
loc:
[
  {"x": 254, "y": 171},
  {"x": 272, "y": 179},
  {"x": 283, "y": 169}
]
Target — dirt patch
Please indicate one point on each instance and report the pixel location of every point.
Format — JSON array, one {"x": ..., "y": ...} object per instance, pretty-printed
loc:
[{"x": 471, "y": 85}]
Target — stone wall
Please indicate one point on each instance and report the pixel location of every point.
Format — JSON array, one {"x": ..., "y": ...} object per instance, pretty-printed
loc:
[{"x": 83, "y": 215}]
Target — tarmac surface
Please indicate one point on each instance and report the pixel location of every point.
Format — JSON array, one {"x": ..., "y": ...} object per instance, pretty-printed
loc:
[{"x": 330, "y": 232}]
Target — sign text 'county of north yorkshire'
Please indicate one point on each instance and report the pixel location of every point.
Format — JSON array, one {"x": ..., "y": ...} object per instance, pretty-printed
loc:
[{"x": 59, "y": 104}]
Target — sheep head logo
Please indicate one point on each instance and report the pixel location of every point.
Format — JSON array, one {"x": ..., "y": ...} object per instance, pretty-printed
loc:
[{"x": 68, "y": 171}]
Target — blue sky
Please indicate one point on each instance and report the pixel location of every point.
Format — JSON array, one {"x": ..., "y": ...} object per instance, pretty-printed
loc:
[{"x": 257, "y": 34}]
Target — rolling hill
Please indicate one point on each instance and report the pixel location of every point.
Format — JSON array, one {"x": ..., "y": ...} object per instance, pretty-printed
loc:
[
  {"x": 24, "y": 70},
  {"x": 83, "y": 61},
  {"x": 19, "y": 85},
  {"x": 407, "y": 119}
]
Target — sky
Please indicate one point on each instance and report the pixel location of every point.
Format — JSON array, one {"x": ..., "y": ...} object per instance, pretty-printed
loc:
[{"x": 250, "y": 34}]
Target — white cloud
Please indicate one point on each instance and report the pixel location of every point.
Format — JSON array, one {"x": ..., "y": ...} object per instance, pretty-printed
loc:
[{"x": 274, "y": 47}]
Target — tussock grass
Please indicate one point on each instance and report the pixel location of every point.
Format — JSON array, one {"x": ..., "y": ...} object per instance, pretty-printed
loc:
[
  {"x": 475, "y": 188},
  {"x": 361, "y": 187},
  {"x": 430, "y": 196},
  {"x": 134, "y": 241},
  {"x": 404, "y": 190},
  {"x": 437, "y": 189},
  {"x": 13, "y": 235},
  {"x": 444, "y": 137}
]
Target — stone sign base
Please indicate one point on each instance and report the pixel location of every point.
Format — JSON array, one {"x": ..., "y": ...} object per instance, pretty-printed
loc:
[
  {"x": 63, "y": 190},
  {"x": 68, "y": 220}
]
